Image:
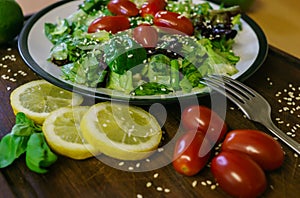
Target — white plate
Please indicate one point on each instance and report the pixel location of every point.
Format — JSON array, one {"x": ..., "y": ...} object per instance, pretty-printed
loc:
[{"x": 250, "y": 44}]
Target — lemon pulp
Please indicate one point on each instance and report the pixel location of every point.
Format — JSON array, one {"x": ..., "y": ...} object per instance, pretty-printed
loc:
[
  {"x": 62, "y": 132},
  {"x": 38, "y": 98},
  {"x": 121, "y": 131}
]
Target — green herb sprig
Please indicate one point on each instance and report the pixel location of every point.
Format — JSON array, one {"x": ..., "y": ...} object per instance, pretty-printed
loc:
[{"x": 26, "y": 137}]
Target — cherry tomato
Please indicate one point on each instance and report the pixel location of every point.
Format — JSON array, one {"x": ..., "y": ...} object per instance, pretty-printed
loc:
[
  {"x": 161, "y": 4},
  {"x": 202, "y": 118},
  {"x": 191, "y": 153},
  {"x": 152, "y": 7},
  {"x": 149, "y": 9},
  {"x": 174, "y": 21},
  {"x": 145, "y": 35},
  {"x": 111, "y": 24},
  {"x": 238, "y": 175},
  {"x": 261, "y": 147},
  {"x": 123, "y": 7}
]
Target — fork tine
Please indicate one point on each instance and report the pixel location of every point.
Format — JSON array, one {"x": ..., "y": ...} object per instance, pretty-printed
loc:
[
  {"x": 231, "y": 91},
  {"x": 218, "y": 85},
  {"x": 238, "y": 85},
  {"x": 261, "y": 111}
]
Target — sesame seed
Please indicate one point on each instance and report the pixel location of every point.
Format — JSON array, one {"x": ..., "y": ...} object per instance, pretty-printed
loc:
[
  {"x": 208, "y": 182},
  {"x": 285, "y": 109},
  {"x": 167, "y": 190},
  {"x": 203, "y": 183},
  {"x": 194, "y": 183},
  {"x": 293, "y": 130},
  {"x": 139, "y": 196},
  {"x": 212, "y": 187},
  {"x": 130, "y": 168},
  {"x": 159, "y": 188},
  {"x": 148, "y": 184},
  {"x": 156, "y": 175},
  {"x": 121, "y": 163}
]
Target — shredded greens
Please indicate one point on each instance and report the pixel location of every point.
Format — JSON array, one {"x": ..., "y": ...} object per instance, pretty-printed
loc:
[{"x": 119, "y": 63}]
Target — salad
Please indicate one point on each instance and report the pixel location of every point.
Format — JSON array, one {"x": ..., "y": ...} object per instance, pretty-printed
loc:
[{"x": 145, "y": 47}]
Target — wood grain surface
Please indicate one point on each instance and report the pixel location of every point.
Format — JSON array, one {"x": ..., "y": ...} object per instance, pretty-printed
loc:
[{"x": 93, "y": 178}]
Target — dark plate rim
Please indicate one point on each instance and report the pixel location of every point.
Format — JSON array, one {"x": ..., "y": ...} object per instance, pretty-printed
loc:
[{"x": 24, "y": 52}]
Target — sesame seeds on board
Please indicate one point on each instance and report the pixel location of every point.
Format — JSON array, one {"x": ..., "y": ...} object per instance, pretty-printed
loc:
[{"x": 8, "y": 70}]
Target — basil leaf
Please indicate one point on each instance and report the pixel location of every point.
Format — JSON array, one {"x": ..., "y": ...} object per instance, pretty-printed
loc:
[
  {"x": 24, "y": 126},
  {"x": 11, "y": 147},
  {"x": 38, "y": 155}
]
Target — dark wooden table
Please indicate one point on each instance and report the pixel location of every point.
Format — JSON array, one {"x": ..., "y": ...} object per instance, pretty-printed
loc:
[{"x": 92, "y": 178}]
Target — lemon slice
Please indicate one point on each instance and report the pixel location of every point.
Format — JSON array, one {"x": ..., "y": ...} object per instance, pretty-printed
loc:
[
  {"x": 38, "y": 98},
  {"x": 121, "y": 131},
  {"x": 62, "y": 132}
]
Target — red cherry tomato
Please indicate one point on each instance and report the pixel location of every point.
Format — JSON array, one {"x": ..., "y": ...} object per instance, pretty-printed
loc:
[
  {"x": 191, "y": 153},
  {"x": 238, "y": 175},
  {"x": 174, "y": 21},
  {"x": 111, "y": 24},
  {"x": 145, "y": 35},
  {"x": 152, "y": 7},
  {"x": 262, "y": 148},
  {"x": 161, "y": 4},
  {"x": 205, "y": 120},
  {"x": 123, "y": 7},
  {"x": 149, "y": 9}
]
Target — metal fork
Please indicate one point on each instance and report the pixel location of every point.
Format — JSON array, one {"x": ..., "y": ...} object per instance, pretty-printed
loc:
[{"x": 252, "y": 104}]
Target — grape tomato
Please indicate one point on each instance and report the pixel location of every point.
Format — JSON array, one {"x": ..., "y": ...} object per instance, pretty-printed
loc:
[
  {"x": 175, "y": 21},
  {"x": 191, "y": 153},
  {"x": 204, "y": 119},
  {"x": 146, "y": 35},
  {"x": 111, "y": 24},
  {"x": 123, "y": 7},
  {"x": 161, "y": 4},
  {"x": 151, "y": 7},
  {"x": 238, "y": 175},
  {"x": 260, "y": 146}
]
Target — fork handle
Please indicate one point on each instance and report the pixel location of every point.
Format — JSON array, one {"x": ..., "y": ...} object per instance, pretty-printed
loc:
[{"x": 283, "y": 137}]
